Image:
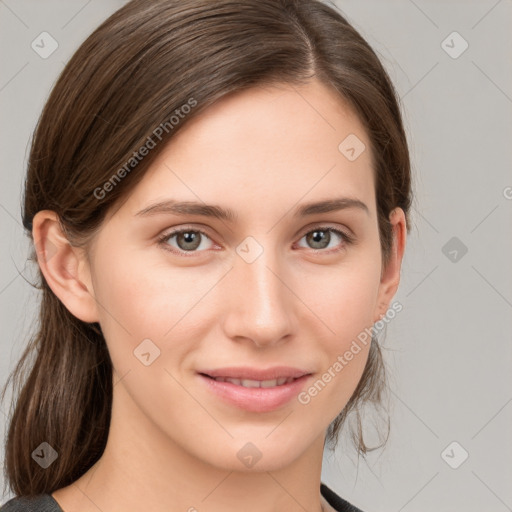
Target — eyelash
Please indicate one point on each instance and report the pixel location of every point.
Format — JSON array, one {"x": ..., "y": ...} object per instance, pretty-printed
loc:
[{"x": 162, "y": 240}]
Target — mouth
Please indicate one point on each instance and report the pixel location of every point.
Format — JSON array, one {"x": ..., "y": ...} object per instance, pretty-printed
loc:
[
  {"x": 255, "y": 390},
  {"x": 250, "y": 383}
]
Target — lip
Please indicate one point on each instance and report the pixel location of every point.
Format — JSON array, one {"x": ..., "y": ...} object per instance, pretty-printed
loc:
[
  {"x": 255, "y": 399},
  {"x": 246, "y": 372}
]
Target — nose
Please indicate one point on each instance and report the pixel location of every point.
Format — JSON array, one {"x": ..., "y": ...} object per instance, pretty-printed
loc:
[{"x": 259, "y": 305}]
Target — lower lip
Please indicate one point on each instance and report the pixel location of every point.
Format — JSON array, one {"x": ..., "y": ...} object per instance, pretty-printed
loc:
[{"x": 256, "y": 399}]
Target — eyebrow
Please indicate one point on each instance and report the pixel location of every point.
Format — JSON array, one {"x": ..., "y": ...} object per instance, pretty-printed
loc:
[{"x": 174, "y": 207}]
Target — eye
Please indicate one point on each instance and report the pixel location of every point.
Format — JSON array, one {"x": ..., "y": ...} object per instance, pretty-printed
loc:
[
  {"x": 191, "y": 241},
  {"x": 321, "y": 237},
  {"x": 187, "y": 240}
]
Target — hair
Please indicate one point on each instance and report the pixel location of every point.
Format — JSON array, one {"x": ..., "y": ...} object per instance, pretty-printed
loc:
[{"x": 136, "y": 72}]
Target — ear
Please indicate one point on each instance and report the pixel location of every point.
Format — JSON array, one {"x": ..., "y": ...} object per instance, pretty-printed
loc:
[
  {"x": 390, "y": 275},
  {"x": 64, "y": 267}
]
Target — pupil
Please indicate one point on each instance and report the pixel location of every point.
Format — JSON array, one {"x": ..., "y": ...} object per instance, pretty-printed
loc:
[
  {"x": 189, "y": 237},
  {"x": 317, "y": 237}
]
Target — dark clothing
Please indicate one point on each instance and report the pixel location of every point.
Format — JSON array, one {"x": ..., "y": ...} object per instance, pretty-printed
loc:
[
  {"x": 46, "y": 503},
  {"x": 39, "y": 503},
  {"x": 336, "y": 501}
]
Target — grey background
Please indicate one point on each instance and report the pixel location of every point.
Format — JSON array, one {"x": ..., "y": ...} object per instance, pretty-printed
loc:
[{"x": 449, "y": 350}]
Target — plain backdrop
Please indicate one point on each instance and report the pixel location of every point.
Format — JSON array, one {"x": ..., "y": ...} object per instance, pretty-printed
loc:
[{"x": 449, "y": 350}]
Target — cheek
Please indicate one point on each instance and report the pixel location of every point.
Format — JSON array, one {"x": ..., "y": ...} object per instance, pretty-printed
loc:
[
  {"x": 343, "y": 299},
  {"x": 142, "y": 299}
]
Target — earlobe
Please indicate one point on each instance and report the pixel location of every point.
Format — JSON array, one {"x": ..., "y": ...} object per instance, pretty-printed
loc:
[
  {"x": 390, "y": 278},
  {"x": 64, "y": 267}
]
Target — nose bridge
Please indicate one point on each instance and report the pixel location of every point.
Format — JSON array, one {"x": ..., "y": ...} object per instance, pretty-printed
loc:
[{"x": 262, "y": 307}]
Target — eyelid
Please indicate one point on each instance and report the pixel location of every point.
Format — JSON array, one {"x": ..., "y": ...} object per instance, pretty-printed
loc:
[{"x": 348, "y": 233}]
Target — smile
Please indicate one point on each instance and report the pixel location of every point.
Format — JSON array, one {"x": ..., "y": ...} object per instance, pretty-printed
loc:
[
  {"x": 249, "y": 383},
  {"x": 254, "y": 395}
]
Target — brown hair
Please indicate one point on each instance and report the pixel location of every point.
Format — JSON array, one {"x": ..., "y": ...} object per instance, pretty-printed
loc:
[{"x": 131, "y": 75}]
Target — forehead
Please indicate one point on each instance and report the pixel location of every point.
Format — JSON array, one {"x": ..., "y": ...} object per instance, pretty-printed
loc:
[{"x": 265, "y": 146}]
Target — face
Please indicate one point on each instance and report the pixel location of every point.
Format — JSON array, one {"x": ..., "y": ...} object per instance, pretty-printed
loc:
[{"x": 181, "y": 295}]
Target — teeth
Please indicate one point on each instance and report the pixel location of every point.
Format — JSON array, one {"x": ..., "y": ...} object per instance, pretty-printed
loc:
[{"x": 248, "y": 383}]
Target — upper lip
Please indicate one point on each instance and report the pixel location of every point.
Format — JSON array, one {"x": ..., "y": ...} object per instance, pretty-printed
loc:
[{"x": 246, "y": 372}]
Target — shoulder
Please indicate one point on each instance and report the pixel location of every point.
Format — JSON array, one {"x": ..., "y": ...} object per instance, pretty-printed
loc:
[
  {"x": 38, "y": 503},
  {"x": 336, "y": 501}
]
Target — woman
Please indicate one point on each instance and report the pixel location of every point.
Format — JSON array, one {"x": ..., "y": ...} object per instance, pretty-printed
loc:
[{"x": 218, "y": 196}]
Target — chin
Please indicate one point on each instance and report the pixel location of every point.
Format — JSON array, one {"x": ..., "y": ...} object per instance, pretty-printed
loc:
[{"x": 258, "y": 453}]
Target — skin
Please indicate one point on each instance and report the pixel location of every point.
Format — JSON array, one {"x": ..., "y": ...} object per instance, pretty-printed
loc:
[{"x": 172, "y": 443}]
